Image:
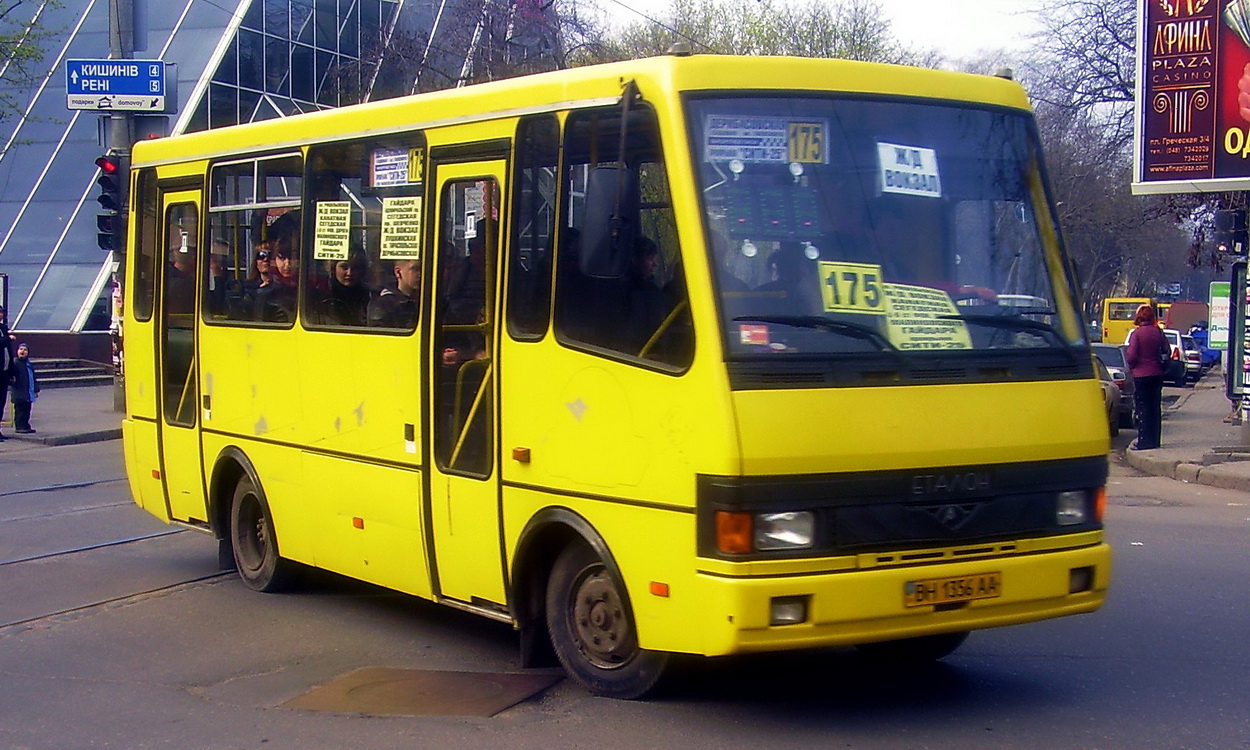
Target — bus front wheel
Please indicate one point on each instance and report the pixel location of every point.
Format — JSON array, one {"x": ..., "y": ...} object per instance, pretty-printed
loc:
[
  {"x": 254, "y": 542},
  {"x": 592, "y": 630}
]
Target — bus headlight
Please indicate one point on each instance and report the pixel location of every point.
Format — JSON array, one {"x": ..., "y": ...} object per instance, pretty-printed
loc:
[
  {"x": 793, "y": 530},
  {"x": 1072, "y": 508}
]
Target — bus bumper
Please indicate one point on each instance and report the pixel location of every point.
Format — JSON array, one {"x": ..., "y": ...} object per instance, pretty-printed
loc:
[{"x": 862, "y": 606}]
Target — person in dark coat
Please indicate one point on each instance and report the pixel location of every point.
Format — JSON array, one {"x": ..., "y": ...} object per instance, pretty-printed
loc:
[
  {"x": 1147, "y": 356},
  {"x": 25, "y": 389},
  {"x": 6, "y": 360},
  {"x": 347, "y": 300},
  {"x": 396, "y": 305}
]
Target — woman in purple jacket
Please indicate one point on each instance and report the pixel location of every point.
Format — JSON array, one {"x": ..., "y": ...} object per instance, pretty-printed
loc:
[{"x": 1147, "y": 356}]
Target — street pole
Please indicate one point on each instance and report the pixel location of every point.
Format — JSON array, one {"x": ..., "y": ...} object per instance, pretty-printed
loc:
[{"x": 120, "y": 137}]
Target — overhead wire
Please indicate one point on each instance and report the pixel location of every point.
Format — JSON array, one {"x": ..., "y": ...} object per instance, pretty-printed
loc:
[{"x": 663, "y": 25}]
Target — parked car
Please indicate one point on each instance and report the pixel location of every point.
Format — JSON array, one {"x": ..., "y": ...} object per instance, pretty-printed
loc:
[
  {"x": 1110, "y": 396},
  {"x": 1210, "y": 357},
  {"x": 1175, "y": 371},
  {"x": 1193, "y": 358},
  {"x": 1112, "y": 357}
]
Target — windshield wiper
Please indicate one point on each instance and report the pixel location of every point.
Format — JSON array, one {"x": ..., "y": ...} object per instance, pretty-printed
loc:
[
  {"x": 1012, "y": 323},
  {"x": 854, "y": 330}
]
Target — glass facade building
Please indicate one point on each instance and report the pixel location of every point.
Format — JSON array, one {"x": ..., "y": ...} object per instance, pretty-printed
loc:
[{"x": 236, "y": 61}]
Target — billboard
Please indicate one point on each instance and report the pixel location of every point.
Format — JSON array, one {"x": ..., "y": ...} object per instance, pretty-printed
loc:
[
  {"x": 1192, "y": 134},
  {"x": 1217, "y": 328}
]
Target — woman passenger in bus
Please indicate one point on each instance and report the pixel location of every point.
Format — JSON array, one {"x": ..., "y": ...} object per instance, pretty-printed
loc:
[
  {"x": 346, "y": 300},
  {"x": 283, "y": 238},
  {"x": 268, "y": 298}
]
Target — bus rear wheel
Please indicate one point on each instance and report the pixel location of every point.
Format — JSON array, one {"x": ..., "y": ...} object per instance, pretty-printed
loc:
[
  {"x": 907, "y": 651},
  {"x": 592, "y": 630},
  {"x": 254, "y": 543}
]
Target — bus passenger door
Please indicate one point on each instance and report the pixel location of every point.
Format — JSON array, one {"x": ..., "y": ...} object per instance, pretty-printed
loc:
[
  {"x": 464, "y": 486},
  {"x": 175, "y": 357}
]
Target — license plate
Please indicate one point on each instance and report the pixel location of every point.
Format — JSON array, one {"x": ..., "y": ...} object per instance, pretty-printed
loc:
[{"x": 932, "y": 591}]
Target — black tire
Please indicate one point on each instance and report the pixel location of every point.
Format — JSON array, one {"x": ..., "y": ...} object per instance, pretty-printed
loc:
[
  {"x": 919, "y": 650},
  {"x": 254, "y": 542},
  {"x": 592, "y": 628}
]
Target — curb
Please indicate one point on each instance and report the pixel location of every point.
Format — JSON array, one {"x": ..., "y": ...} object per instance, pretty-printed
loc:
[
  {"x": 1159, "y": 465},
  {"x": 98, "y": 436},
  {"x": 1233, "y": 475}
]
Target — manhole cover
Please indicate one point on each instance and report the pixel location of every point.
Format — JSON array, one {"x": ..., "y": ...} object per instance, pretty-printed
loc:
[{"x": 417, "y": 692}]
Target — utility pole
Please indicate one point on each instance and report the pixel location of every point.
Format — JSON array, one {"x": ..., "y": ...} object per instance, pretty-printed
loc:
[
  {"x": 120, "y": 131},
  {"x": 119, "y": 135}
]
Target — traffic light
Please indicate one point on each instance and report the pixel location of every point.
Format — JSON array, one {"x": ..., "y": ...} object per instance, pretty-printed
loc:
[
  {"x": 1230, "y": 231},
  {"x": 109, "y": 221}
]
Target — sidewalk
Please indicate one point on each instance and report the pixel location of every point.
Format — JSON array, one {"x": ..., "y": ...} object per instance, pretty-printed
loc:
[
  {"x": 1198, "y": 446},
  {"x": 67, "y": 416}
]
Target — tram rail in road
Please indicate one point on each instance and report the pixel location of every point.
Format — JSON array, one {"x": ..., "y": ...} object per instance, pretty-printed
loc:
[{"x": 81, "y": 545}]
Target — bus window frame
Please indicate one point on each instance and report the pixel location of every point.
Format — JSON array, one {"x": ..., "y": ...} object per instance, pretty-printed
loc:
[
  {"x": 409, "y": 139},
  {"x": 256, "y": 203},
  {"x": 516, "y": 305},
  {"x": 564, "y": 223},
  {"x": 145, "y": 230}
]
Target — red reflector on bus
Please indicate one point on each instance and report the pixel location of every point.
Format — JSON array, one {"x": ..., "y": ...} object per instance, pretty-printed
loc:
[
  {"x": 156, "y": 473},
  {"x": 659, "y": 589},
  {"x": 358, "y": 522}
]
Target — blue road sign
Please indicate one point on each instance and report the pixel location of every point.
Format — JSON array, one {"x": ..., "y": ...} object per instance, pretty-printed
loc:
[{"x": 135, "y": 85}]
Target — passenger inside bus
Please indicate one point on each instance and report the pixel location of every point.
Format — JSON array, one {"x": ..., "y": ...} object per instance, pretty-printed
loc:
[
  {"x": 283, "y": 238},
  {"x": 215, "y": 296},
  {"x": 650, "y": 303},
  {"x": 180, "y": 285},
  {"x": 345, "y": 301},
  {"x": 396, "y": 305},
  {"x": 793, "y": 289},
  {"x": 272, "y": 301}
]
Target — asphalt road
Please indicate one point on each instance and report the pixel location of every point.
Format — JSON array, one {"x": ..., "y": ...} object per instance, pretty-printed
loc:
[{"x": 138, "y": 641}]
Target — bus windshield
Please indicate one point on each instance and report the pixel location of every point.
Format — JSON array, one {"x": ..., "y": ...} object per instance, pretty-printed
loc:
[{"x": 841, "y": 226}]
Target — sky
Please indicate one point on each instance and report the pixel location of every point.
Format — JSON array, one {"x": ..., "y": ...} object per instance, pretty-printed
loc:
[{"x": 956, "y": 28}]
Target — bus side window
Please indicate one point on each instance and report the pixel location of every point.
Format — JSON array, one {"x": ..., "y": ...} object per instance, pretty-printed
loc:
[
  {"x": 146, "y": 245},
  {"x": 254, "y": 239},
  {"x": 645, "y": 314},
  {"x": 534, "y": 216},
  {"x": 363, "y": 269}
]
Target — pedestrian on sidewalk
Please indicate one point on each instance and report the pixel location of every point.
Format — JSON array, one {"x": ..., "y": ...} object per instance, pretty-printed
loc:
[
  {"x": 1147, "y": 357},
  {"x": 6, "y": 360},
  {"x": 25, "y": 389}
]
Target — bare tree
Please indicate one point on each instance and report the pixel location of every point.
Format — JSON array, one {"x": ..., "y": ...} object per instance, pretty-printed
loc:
[
  {"x": 1085, "y": 61},
  {"x": 22, "y": 39},
  {"x": 1082, "y": 76},
  {"x": 852, "y": 29}
]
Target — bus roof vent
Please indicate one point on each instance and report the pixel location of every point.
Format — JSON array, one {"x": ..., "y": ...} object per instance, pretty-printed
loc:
[{"x": 680, "y": 49}]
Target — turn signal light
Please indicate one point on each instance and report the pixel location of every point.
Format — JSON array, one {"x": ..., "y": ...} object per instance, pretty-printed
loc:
[{"x": 733, "y": 532}]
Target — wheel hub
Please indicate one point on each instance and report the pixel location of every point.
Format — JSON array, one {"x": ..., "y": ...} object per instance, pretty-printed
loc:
[{"x": 600, "y": 623}]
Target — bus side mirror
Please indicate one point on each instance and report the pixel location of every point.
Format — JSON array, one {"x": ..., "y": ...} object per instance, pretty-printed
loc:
[{"x": 610, "y": 223}]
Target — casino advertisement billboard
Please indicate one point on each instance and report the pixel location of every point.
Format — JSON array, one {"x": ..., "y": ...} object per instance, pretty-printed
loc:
[{"x": 1193, "y": 96}]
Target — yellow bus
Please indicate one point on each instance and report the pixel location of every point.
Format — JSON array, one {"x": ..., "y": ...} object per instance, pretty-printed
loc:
[
  {"x": 1117, "y": 317},
  {"x": 685, "y": 355}
]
